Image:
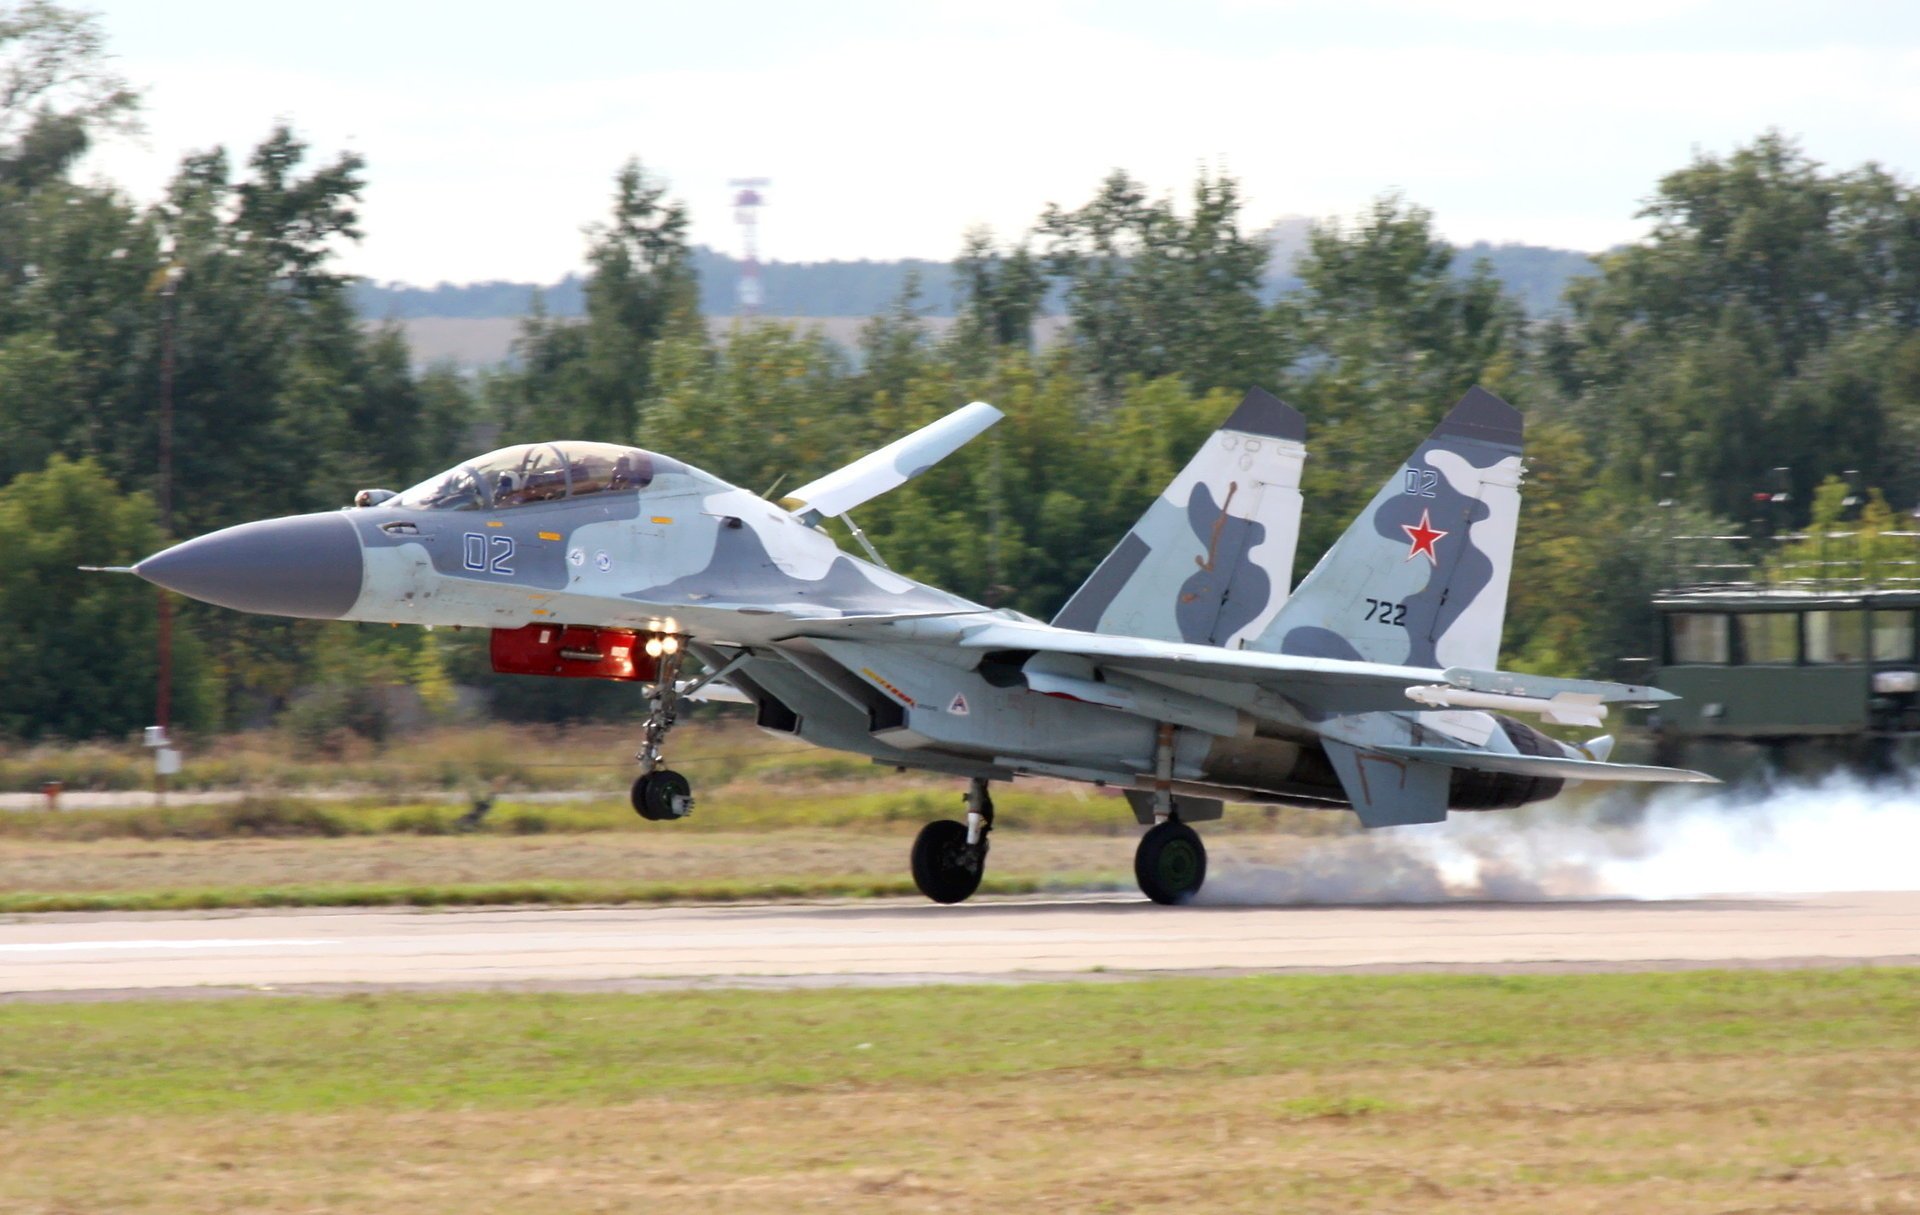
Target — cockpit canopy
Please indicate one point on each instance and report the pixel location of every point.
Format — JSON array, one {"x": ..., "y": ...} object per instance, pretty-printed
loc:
[{"x": 539, "y": 472}]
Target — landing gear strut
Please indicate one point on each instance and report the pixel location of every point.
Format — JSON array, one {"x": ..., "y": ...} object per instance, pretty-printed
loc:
[
  {"x": 659, "y": 793},
  {"x": 950, "y": 858},
  {"x": 1171, "y": 862}
]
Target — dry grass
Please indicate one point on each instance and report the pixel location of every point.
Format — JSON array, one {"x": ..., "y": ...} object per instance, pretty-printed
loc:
[
  {"x": 661, "y": 855},
  {"x": 661, "y": 865},
  {"x": 454, "y": 758},
  {"x": 771, "y": 822},
  {"x": 1833, "y": 1134},
  {"x": 1676, "y": 1094}
]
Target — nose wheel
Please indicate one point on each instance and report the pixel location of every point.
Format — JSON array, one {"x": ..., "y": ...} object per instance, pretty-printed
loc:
[
  {"x": 662, "y": 795},
  {"x": 1170, "y": 863},
  {"x": 659, "y": 793}
]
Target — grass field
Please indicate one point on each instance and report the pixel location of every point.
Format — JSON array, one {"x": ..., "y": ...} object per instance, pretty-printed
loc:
[
  {"x": 772, "y": 821},
  {"x": 659, "y": 865},
  {"x": 624, "y": 867},
  {"x": 453, "y": 758},
  {"x": 1787, "y": 1091}
]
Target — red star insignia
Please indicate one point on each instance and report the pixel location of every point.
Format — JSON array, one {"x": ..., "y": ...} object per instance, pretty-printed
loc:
[{"x": 1423, "y": 538}]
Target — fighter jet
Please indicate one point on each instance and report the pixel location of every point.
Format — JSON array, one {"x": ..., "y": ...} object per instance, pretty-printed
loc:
[{"x": 1182, "y": 673}]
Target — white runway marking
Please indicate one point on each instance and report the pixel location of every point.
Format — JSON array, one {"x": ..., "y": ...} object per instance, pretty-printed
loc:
[{"x": 207, "y": 943}]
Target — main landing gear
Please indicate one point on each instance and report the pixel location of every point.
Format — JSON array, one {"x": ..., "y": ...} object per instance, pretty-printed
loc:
[
  {"x": 659, "y": 793},
  {"x": 1171, "y": 863},
  {"x": 950, "y": 858}
]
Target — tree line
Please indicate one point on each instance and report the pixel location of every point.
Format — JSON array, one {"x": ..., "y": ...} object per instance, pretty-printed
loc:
[{"x": 1767, "y": 320}]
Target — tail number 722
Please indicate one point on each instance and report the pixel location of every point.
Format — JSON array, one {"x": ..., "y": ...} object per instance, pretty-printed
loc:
[{"x": 1386, "y": 611}]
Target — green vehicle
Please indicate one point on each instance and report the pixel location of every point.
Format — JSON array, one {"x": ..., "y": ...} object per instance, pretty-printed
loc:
[{"x": 1793, "y": 670}]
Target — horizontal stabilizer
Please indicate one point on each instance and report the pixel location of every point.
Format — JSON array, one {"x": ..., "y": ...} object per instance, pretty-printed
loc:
[
  {"x": 892, "y": 466},
  {"x": 1547, "y": 765},
  {"x": 1386, "y": 790}
]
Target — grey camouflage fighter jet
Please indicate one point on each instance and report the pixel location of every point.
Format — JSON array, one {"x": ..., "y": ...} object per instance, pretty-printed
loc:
[{"x": 1181, "y": 673}]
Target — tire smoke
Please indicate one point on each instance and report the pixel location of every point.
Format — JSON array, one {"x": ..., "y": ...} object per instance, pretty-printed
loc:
[{"x": 1839, "y": 833}]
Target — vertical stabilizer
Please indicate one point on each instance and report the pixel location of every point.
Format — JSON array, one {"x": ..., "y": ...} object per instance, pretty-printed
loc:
[
  {"x": 1211, "y": 560},
  {"x": 1420, "y": 579}
]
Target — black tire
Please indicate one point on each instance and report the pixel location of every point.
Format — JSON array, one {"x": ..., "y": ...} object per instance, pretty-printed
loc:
[
  {"x": 945, "y": 868},
  {"x": 654, "y": 795},
  {"x": 1171, "y": 863}
]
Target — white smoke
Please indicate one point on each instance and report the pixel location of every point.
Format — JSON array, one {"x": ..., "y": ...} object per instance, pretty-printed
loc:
[{"x": 1840, "y": 833}]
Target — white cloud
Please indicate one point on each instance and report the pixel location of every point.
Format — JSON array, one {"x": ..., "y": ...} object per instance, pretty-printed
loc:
[{"x": 1547, "y": 14}]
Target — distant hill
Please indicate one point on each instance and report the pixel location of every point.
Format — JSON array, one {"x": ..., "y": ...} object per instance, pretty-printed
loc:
[
  {"x": 1533, "y": 274},
  {"x": 820, "y": 289}
]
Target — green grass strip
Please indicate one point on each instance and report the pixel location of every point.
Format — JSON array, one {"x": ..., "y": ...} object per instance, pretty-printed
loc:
[
  {"x": 551, "y": 893},
  {"x": 490, "y": 1050}
]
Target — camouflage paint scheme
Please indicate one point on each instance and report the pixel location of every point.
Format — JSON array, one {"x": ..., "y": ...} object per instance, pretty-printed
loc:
[
  {"x": 1211, "y": 560},
  {"x": 1183, "y": 648}
]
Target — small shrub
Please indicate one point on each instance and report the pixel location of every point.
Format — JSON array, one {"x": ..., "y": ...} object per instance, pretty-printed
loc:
[
  {"x": 270, "y": 816},
  {"x": 422, "y": 820}
]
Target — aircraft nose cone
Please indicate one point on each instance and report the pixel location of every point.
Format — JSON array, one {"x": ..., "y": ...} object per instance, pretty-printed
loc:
[{"x": 303, "y": 565}]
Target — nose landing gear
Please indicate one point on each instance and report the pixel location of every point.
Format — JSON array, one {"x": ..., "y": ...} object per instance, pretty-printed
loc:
[{"x": 659, "y": 793}]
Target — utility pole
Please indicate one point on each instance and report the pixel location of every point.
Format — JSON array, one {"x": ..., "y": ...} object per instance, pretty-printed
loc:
[{"x": 166, "y": 760}]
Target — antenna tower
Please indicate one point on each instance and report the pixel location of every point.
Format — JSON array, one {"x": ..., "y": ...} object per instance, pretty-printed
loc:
[{"x": 747, "y": 201}]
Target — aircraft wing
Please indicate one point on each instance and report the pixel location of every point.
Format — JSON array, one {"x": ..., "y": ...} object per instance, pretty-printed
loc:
[
  {"x": 890, "y": 467},
  {"x": 1326, "y": 685}
]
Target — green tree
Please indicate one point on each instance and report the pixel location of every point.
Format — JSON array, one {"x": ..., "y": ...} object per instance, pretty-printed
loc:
[
  {"x": 591, "y": 380},
  {"x": 1000, "y": 291},
  {"x": 1389, "y": 339},
  {"x": 1763, "y": 322},
  {"x": 79, "y": 648},
  {"x": 56, "y": 94},
  {"x": 1153, "y": 293}
]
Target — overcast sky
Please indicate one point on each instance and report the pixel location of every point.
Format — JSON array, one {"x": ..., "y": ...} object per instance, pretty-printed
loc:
[{"x": 492, "y": 129}]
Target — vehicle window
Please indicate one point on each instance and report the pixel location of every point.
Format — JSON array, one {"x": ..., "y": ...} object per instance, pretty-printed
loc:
[
  {"x": 1770, "y": 637},
  {"x": 1697, "y": 637},
  {"x": 1893, "y": 636},
  {"x": 603, "y": 467},
  {"x": 539, "y": 477},
  {"x": 1836, "y": 636},
  {"x": 457, "y": 489},
  {"x": 538, "y": 472}
]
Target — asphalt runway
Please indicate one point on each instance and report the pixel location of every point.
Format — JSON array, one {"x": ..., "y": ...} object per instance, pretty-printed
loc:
[{"x": 104, "y": 956}]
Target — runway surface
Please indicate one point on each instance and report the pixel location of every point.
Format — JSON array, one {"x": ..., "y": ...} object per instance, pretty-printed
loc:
[{"x": 95, "y": 956}]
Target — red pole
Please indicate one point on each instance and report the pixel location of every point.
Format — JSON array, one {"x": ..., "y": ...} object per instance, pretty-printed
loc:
[
  {"x": 163, "y": 698},
  {"x": 163, "y": 692},
  {"x": 166, "y": 400}
]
